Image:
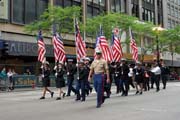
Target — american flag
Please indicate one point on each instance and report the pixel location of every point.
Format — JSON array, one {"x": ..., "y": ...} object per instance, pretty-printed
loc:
[
  {"x": 41, "y": 48},
  {"x": 133, "y": 46},
  {"x": 80, "y": 44},
  {"x": 116, "y": 49},
  {"x": 59, "y": 52}
]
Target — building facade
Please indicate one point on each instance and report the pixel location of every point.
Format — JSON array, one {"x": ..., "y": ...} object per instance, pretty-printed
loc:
[{"x": 171, "y": 10}]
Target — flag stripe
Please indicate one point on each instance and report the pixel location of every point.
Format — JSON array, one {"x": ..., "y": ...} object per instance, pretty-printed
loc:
[
  {"x": 59, "y": 52},
  {"x": 41, "y": 48}
]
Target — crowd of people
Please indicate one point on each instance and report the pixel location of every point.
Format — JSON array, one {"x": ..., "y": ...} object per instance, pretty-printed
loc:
[{"x": 141, "y": 77}]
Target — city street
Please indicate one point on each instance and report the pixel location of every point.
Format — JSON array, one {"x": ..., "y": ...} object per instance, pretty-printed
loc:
[{"x": 25, "y": 105}]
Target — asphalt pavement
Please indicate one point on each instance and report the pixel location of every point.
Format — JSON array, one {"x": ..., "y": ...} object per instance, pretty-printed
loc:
[{"x": 152, "y": 105}]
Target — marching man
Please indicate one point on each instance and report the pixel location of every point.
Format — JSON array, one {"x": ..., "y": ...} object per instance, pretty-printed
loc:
[{"x": 99, "y": 67}]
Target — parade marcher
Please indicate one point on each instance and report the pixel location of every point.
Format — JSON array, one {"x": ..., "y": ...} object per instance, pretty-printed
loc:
[
  {"x": 81, "y": 82},
  {"x": 45, "y": 71},
  {"x": 146, "y": 78},
  {"x": 164, "y": 74},
  {"x": 130, "y": 74},
  {"x": 10, "y": 79},
  {"x": 88, "y": 87},
  {"x": 99, "y": 67},
  {"x": 117, "y": 78},
  {"x": 156, "y": 75},
  {"x": 71, "y": 70},
  {"x": 139, "y": 75},
  {"x": 60, "y": 82},
  {"x": 3, "y": 76},
  {"x": 124, "y": 77}
]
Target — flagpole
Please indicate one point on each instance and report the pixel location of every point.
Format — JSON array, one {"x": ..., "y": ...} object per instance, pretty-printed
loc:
[{"x": 76, "y": 48}]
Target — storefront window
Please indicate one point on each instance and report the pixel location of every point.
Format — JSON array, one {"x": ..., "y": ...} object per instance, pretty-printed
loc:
[{"x": 18, "y": 11}]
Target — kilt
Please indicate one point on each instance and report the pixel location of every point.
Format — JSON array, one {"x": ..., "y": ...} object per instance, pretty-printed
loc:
[
  {"x": 46, "y": 82},
  {"x": 60, "y": 82}
]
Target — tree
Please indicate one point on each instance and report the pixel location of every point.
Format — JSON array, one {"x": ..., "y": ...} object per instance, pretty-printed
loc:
[{"x": 61, "y": 17}]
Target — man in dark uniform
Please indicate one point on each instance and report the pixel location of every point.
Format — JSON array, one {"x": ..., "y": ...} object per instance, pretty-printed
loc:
[
  {"x": 81, "y": 82},
  {"x": 164, "y": 74},
  {"x": 99, "y": 67},
  {"x": 88, "y": 88},
  {"x": 124, "y": 77},
  {"x": 71, "y": 70},
  {"x": 117, "y": 69}
]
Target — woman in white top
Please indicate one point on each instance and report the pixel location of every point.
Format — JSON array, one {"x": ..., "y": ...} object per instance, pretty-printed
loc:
[{"x": 10, "y": 79}]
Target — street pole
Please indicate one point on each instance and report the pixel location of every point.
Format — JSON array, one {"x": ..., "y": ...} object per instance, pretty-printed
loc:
[{"x": 157, "y": 49}]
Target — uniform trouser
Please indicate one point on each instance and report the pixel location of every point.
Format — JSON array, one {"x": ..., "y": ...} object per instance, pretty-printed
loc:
[
  {"x": 81, "y": 85},
  {"x": 70, "y": 87},
  {"x": 124, "y": 86},
  {"x": 157, "y": 81},
  {"x": 153, "y": 79},
  {"x": 87, "y": 85},
  {"x": 99, "y": 87},
  {"x": 164, "y": 80},
  {"x": 130, "y": 82},
  {"x": 146, "y": 84},
  {"x": 117, "y": 83}
]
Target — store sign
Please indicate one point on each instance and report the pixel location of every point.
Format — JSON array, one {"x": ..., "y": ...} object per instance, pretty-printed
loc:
[
  {"x": 30, "y": 49},
  {"x": 4, "y": 9}
]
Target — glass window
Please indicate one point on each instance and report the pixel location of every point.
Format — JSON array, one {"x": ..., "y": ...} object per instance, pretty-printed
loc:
[
  {"x": 103, "y": 2},
  {"x": 67, "y": 3},
  {"x": 59, "y": 2},
  {"x": 30, "y": 14},
  {"x": 95, "y": 11},
  {"x": 89, "y": 11},
  {"x": 18, "y": 11},
  {"x": 113, "y": 6},
  {"x": 123, "y": 6},
  {"x": 41, "y": 6},
  {"x": 117, "y": 3}
]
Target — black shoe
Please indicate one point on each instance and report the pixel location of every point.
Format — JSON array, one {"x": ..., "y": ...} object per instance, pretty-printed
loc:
[
  {"x": 137, "y": 92},
  {"x": 52, "y": 93},
  {"x": 68, "y": 95},
  {"x": 126, "y": 94},
  {"x": 140, "y": 93},
  {"x": 157, "y": 90},
  {"x": 164, "y": 87},
  {"x": 77, "y": 99},
  {"x": 83, "y": 100},
  {"x": 42, "y": 98},
  {"x": 122, "y": 94},
  {"x": 58, "y": 98},
  {"x": 98, "y": 106},
  {"x": 64, "y": 94},
  {"x": 90, "y": 89},
  {"x": 103, "y": 99}
]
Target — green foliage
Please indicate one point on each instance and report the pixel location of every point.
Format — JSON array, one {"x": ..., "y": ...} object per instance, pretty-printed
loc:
[
  {"x": 62, "y": 17},
  {"x": 171, "y": 39}
]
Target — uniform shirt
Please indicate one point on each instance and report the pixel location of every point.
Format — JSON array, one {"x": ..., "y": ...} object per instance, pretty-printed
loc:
[{"x": 99, "y": 66}]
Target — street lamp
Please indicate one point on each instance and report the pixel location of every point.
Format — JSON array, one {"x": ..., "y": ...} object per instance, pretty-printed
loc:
[{"x": 157, "y": 30}]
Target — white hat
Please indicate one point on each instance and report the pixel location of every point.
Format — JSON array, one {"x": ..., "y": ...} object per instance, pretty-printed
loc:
[
  {"x": 138, "y": 62},
  {"x": 60, "y": 62},
  {"x": 98, "y": 50},
  {"x": 70, "y": 60},
  {"x": 80, "y": 62},
  {"x": 123, "y": 59},
  {"x": 87, "y": 58},
  {"x": 46, "y": 62}
]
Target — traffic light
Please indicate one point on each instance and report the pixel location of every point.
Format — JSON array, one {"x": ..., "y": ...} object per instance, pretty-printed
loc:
[{"x": 5, "y": 50}]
